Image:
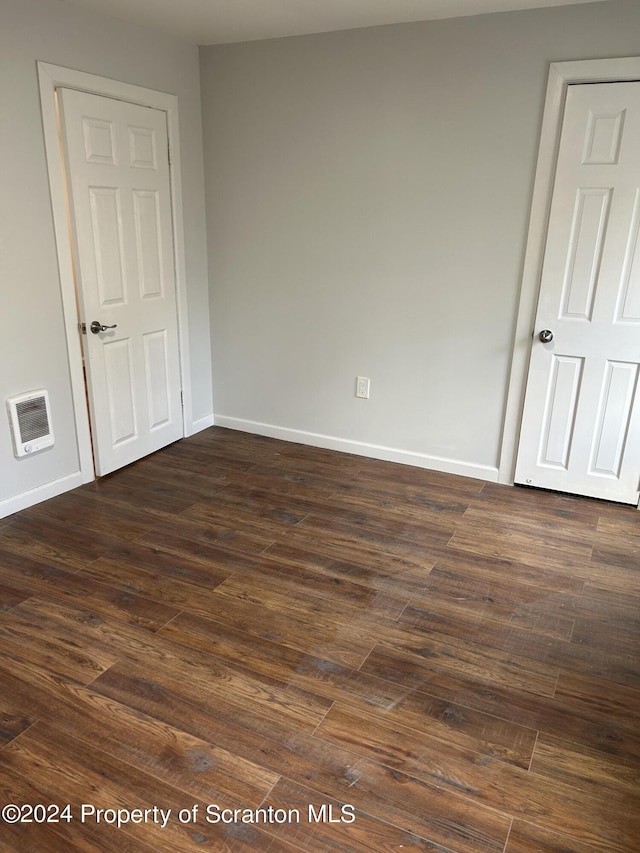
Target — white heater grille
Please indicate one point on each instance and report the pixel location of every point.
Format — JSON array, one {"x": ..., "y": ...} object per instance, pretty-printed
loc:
[{"x": 30, "y": 422}]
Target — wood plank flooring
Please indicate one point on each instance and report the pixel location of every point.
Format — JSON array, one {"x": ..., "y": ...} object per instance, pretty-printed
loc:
[{"x": 240, "y": 644}]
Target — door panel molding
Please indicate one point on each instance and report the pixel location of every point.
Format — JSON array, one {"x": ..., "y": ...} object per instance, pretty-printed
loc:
[
  {"x": 561, "y": 76},
  {"x": 52, "y": 77}
]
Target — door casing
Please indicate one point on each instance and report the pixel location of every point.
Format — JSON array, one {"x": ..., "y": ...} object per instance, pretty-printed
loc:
[
  {"x": 561, "y": 76},
  {"x": 52, "y": 77}
]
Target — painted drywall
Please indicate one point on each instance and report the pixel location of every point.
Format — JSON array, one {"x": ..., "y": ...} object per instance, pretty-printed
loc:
[
  {"x": 368, "y": 195},
  {"x": 32, "y": 339}
]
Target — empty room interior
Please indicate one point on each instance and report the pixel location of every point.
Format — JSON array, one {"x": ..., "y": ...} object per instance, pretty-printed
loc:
[{"x": 320, "y": 461}]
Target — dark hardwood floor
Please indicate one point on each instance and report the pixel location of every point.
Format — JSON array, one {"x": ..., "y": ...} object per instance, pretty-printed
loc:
[{"x": 431, "y": 663}]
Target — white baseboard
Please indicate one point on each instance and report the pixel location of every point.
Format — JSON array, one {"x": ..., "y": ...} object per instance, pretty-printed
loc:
[
  {"x": 361, "y": 448},
  {"x": 40, "y": 493},
  {"x": 200, "y": 424}
]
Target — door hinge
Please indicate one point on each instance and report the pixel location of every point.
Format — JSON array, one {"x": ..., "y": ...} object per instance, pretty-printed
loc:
[{"x": 170, "y": 159}]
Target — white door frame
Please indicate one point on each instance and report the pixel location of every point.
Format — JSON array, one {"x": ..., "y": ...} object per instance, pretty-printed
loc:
[
  {"x": 52, "y": 77},
  {"x": 561, "y": 76}
]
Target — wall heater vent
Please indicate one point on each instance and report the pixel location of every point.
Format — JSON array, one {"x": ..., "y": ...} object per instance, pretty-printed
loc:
[{"x": 30, "y": 422}]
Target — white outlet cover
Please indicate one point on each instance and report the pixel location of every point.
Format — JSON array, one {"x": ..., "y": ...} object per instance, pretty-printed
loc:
[{"x": 362, "y": 387}]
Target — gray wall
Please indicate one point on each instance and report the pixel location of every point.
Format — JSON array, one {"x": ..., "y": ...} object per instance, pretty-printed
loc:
[
  {"x": 368, "y": 195},
  {"x": 32, "y": 339}
]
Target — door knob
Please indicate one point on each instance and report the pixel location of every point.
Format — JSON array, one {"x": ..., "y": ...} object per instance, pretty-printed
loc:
[
  {"x": 97, "y": 327},
  {"x": 546, "y": 336}
]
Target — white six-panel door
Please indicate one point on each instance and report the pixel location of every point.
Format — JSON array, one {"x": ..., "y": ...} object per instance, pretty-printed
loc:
[
  {"x": 117, "y": 167},
  {"x": 581, "y": 421}
]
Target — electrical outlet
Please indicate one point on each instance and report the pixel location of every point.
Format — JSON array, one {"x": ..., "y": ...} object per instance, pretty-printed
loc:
[{"x": 362, "y": 387}]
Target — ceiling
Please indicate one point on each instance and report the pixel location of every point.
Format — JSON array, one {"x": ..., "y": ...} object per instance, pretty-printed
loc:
[{"x": 222, "y": 21}]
